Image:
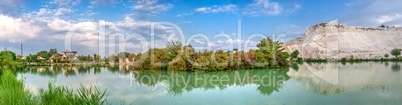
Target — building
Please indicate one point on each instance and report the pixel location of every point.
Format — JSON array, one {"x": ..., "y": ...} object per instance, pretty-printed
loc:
[{"x": 64, "y": 56}]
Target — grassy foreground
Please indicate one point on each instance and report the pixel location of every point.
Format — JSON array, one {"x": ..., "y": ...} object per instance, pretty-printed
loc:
[{"x": 13, "y": 92}]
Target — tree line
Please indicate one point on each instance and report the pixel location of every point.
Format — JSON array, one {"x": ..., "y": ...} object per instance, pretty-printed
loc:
[{"x": 176, "y": 56}]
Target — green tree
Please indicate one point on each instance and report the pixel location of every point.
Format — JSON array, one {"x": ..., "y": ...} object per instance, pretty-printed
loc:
[
  {"x": 382, "y": 26},
  {"x": 220, "y": 60},
  {"x": 189, "y": 56},
  {"x": 70, "y": 57},
  {"x": 204, "y": 61},
  {"x": 53, "y": 51},
  {"x": 386, "y": 55},
  {"x": 82, "y": 58},
  {"x": 7, "y": 60},
  {"x": 396, "y": 52},
  {"x": 56, "y": 57},
  {"x": 271, "y": 52},
  {"x": 116, "y": 59},
  {"x": 131, "y": 57},
  {"x": 32, "y": 58},
  {"x": 123, "y": 55},
  {"x": 13, "y": 56},
  {"x": 294, "y": 54},
  {"x": 44, "y": 54},
  {"x": 97, "y": 57},
  {"x": 106, "y": 60},
  {"x": 176, "y": 56}
]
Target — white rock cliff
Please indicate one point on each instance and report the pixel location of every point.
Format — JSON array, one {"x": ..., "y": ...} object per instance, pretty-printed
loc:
[{"x": 332, "y": 40}]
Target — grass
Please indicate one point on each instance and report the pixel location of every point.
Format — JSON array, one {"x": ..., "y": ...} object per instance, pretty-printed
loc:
[
  {"x": 13, "y": 92},
  {"x": 64, "y": 96}
]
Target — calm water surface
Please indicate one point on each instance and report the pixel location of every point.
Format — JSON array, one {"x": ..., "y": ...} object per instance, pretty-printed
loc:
[{"x": 368, "y": 83}]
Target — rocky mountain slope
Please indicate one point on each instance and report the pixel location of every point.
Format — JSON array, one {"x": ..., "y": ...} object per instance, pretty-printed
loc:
[{"x": 332, "y": 40}]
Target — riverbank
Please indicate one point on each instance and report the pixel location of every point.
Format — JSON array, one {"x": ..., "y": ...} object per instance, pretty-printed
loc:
[
  {"x": 68, "y": 64},
  {"x": 344, "y": 60},
  {"x": 13, "y": 92}
]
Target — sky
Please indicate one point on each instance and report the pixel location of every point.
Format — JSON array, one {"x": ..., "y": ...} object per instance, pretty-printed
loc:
[{"x": 111, "y": 26}]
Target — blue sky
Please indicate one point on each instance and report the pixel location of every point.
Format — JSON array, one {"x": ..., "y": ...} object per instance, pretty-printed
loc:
[{"x": 41, "y": 25}]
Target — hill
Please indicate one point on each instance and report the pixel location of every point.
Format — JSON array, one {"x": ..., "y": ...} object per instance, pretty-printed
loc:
[{"x": 332, "y": 40}]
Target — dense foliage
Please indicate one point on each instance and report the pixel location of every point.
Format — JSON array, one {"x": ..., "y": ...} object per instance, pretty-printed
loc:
[
  {"x": 180, "y": 57},
  {"x": 7, "y": 61},
  {"x": 176, "y": 56}
]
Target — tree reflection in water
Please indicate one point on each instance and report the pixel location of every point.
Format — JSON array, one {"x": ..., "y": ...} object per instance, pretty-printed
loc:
[
  {"x": 396, "y": 67},
  {"x": 176, "y": 82},
  {"x": 53, "y": 71}
]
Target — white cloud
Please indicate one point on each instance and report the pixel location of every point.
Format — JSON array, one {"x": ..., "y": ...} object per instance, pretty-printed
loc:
[
  {"x": 263, "y": 7},
  {"x": 16, "y": 29},
  {"x": 150, "y": 7},
  {"x": 184, "y": 14},
  {"x": 373, "y": 13},
  {"x": 217, "y": 9},
  {"x": 388, "y": 18},
  {"x": 295, "y": 8},
  {"x": 39, "y": 30},
  {"x": 9, "y": 6},
  {"x": 187, "y": 22},
  {"x": 202, "y": 9},
  {"x": 256, "y": 8},
  {"x": 44, "y": 12},
  {"x": 59, "y": 25},
  {"x": 102, "y": 2},
  {"x": 63, "y": 11},
  {"x": 65, "y": 3}
]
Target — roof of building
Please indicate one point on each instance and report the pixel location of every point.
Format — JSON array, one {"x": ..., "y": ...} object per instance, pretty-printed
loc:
[{"x": 69, "y": 52}]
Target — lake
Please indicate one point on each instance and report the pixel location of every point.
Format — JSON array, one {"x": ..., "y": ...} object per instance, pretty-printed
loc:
[{"x": 366, "y": 83}]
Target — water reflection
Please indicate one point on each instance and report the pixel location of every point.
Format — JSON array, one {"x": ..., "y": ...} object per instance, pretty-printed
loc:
[
  {"x": 396, "y": 67},
  {"x": 351, "y": 77},
  {"x": 367, "y": 82},
  {"x": 175, "y": 82},
  {"x": 267, "y": 81}
]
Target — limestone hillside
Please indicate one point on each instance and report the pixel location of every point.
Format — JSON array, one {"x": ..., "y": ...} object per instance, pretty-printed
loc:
[{"x": 332, "y": 40}]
